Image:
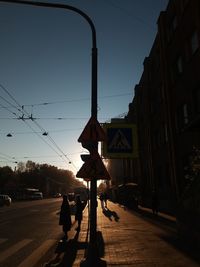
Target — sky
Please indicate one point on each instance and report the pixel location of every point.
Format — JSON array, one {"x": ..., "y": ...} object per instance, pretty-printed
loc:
[{"x": 45, "y": 73}]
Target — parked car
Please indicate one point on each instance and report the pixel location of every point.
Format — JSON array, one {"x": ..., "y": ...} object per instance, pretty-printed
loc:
[
  {"x": 5, "y": 200},
  {"x": 128, "y": 195},
  {"x": 57, "y": 195},
  {"x": 37, "y": 195}
]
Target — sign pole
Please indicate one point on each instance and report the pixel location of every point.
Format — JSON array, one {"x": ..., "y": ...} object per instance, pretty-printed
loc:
[
  {"x": 92, "y": 258},
  {"x": 92, "y": 250}
]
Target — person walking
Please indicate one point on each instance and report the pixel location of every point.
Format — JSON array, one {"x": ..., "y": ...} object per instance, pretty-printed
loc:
[
  {"x": 101, "y": 197},
  {"x": 155, "y": 202},
  {"x": 79, "y": 211},
  {"x": 105, "y": 198},
  {"x": 65, "y": 216}
]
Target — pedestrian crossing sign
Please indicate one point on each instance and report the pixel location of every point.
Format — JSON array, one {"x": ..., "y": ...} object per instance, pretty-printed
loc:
[
  {"x": 121, "y": 141},
  {"x": 93, "y": 169}
]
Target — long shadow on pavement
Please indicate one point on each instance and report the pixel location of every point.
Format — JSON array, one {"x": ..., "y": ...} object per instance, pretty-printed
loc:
[
  {"x": 70, "y": 249},
  {"x": 110, "y": 214}
]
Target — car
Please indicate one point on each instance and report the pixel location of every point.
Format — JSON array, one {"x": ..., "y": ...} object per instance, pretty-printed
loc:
[
  {"x": 57, "y": 195},
  {"x": 37, "y": 195},
  {"x": 5, "y": 200},
  {"x": 128, "y": 195}
]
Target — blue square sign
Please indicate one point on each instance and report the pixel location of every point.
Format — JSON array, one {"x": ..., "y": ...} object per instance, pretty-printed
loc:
[{"x": 121, "y": 141}]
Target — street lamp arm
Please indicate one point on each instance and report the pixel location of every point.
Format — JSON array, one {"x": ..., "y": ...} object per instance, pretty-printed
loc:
[
  {"x": 61, "y": 6},
  {"x": 94, "y": 45}
]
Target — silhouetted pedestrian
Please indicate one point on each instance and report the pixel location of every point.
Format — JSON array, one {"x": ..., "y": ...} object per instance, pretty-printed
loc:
[
  {"x": 105, "y": 198},
  {"x": 79, "y": 211},
  {"x": 155, "y": 202},
  {"x": 101, "y": 197},
  {"x": 65, "y": 216}
]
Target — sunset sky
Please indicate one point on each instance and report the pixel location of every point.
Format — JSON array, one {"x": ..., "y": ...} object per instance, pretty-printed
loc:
[{"x": 46, "y": 73}]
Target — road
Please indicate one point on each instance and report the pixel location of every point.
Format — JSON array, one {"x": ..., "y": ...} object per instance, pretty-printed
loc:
[{"x": 29, "y": 232}]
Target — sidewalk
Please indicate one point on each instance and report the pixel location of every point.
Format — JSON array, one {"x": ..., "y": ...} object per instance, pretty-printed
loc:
[{"x": 126, "y": 239}]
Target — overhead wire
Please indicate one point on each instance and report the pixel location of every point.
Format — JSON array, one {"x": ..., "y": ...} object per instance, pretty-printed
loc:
[
  {"x": 7, "y": 158},
  {"x": 21, "y": 109},
  {"x": 73, "y": 100},
  {"x": 132, "y": 16},
  {"x": 51, "y": 131},
  {"x": 46, "y": 118}
]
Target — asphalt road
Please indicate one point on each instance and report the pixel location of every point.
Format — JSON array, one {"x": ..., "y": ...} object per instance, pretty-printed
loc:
[{"x": 29, "y": 232}]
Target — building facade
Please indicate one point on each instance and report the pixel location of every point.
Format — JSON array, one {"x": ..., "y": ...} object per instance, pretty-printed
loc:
[
  {"x": 166, "y": 107},
  {"x": 167, "y": 99}
]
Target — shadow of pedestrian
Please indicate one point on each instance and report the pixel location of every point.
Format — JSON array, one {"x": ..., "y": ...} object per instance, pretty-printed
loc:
[
  {"x": 111, "y": 214},
  {"x": 70, "y": 251}
]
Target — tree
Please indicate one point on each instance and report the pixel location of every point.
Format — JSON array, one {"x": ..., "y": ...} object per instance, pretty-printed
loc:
[
  {"x": 6, "y": 176},
  {"x": 21, "y": 167}
]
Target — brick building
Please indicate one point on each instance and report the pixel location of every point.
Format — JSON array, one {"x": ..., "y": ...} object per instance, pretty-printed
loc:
[{"x": 166, "y": 106}]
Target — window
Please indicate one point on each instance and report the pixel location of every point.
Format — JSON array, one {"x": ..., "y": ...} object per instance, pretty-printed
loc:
[
  {"x": 162, "y": 92},
  {"x": 174, "y": 23},
  {"x": 197, "y": 100},
  {"x": 185, "y": 114},
  {"x": 179, "y": 65},
  {"x": 183, "y": 4},
  {"x": 194, "y": 42},
  {"x": 176, "y": 69},
  {"x": 192, "y": 45},
  {"x": 166, "y": 133},
  {"x": 182, "y": 116}
]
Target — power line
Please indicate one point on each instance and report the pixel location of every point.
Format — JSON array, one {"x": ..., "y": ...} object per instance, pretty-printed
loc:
[
  {"x": 132, "y": 16},
  {"x": 47, "y": 118},
  {"x": 72, "y": 100},
  {"x": 50, "y": 131},
  {"x": 38, "y": 125},
  {"x": 7, "y": 158}
]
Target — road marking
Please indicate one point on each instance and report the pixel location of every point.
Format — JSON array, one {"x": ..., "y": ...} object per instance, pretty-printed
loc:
[
  {"x": 33, "y": 258},
  {"x": 2, "y": 240},
  {"x": 13, "y": 249}
]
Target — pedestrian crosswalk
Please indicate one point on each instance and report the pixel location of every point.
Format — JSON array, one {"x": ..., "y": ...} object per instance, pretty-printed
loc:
[
  {"x": 36, "y": 255},
  {"x": 13, "y": 250}
]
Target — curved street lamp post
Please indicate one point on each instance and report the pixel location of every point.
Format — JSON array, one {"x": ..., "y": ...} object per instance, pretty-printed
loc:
[{"x": 92, "y": 258}]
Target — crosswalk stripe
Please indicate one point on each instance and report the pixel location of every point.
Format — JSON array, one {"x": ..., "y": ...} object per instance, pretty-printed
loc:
[
  {"x": 2, "y": 240},
  {"x": 33, "y": 258},
  {"x": 13, "y": 249}
]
